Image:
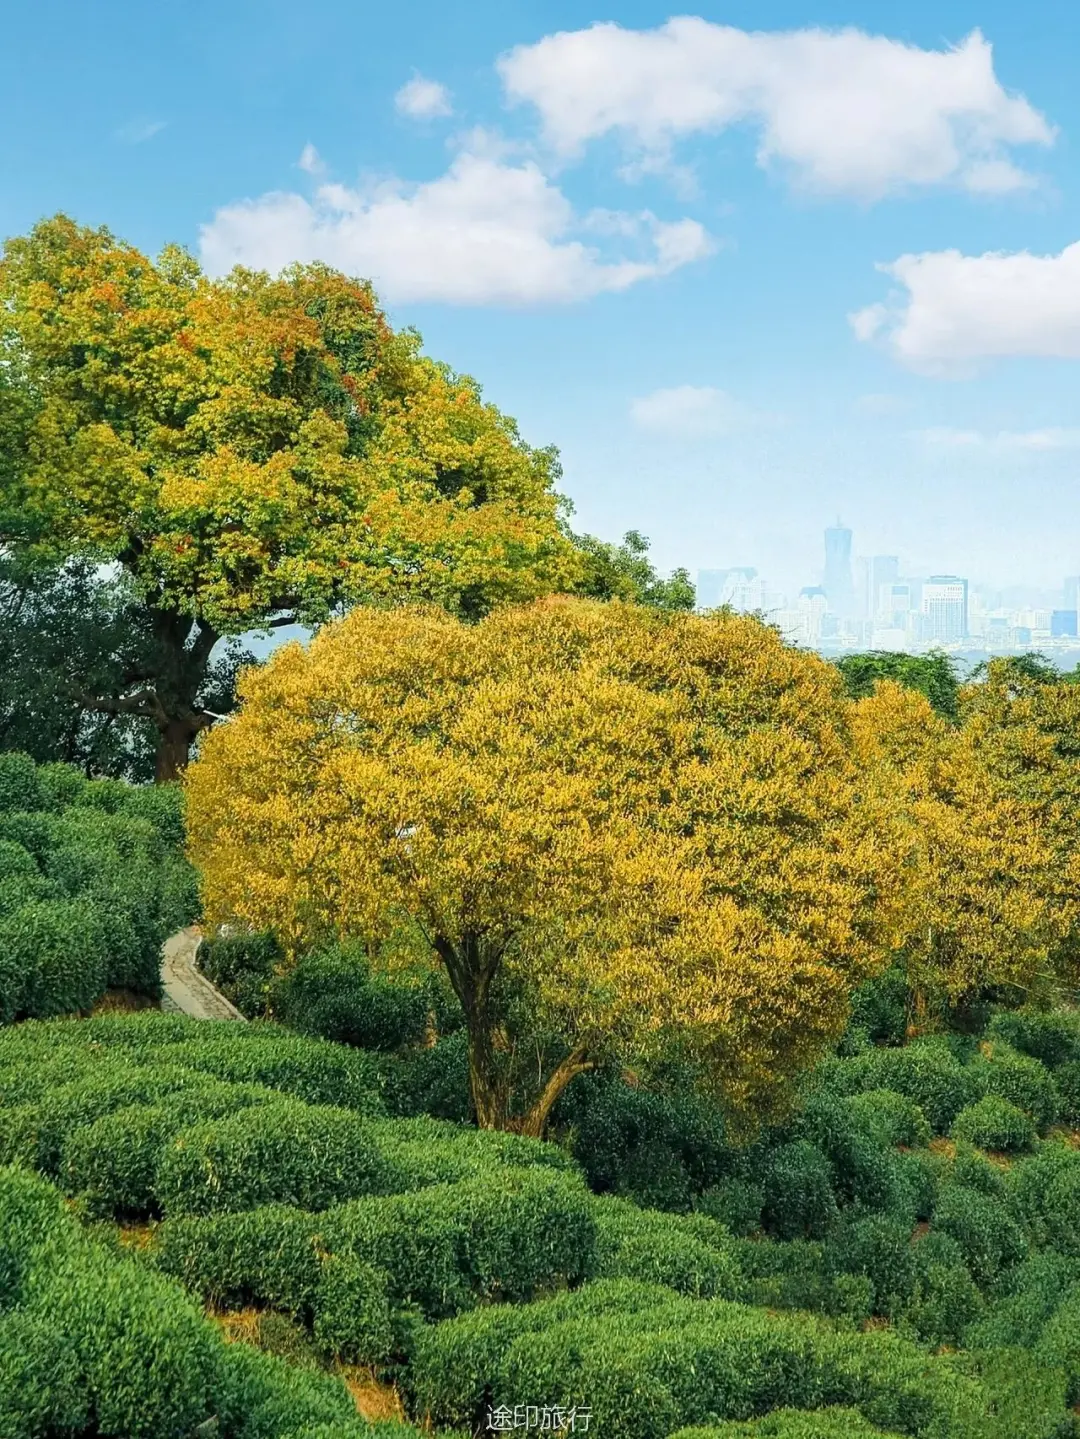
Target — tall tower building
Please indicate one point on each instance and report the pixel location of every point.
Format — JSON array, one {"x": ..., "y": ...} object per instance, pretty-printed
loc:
[
  {"x": 837, "y": 582},
  {"x": 945, "y": 608}
]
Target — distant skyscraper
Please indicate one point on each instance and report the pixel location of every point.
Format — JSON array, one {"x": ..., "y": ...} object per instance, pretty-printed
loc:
[
  {"x": 1072, "y": 592},
  {"x": 739, "y": 588},
  {"x": 837, "y": 581},
  {"x": 1062, "y": 622},
  {"x": 945, "y": 607},
  {"x": 884, "y": 570}
]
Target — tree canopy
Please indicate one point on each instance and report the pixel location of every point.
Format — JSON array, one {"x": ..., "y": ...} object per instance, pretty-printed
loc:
[
  {"x": 625, "y": 572},
  {"x": 933, "y": 675},
  {"x": 645, "y": 824},
  {"x": 252, "y": 452}
]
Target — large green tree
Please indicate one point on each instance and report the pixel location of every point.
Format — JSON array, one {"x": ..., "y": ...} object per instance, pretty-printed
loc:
[{"x": 250, "y": 452}]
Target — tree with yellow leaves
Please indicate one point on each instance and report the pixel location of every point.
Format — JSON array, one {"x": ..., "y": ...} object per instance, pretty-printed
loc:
[
  {"x": 635, "y": 828},
  {"x": 980, "y": 908},
  {"x": 252, "y": 452}
]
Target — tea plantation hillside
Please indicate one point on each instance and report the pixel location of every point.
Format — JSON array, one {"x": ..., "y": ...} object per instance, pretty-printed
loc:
[
  {"x": 92, "y": 881},
  {"x": 902, "y": 1257}
]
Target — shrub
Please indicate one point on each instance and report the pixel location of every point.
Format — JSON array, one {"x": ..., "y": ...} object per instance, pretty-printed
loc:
[
  {"x": 1022, "y": 1081},
  {"x": 310, "y": 1069},
  {"x": 1059, "y": 1343},
  {"x": 53, "y": 959},
  {"x": 633, "y": 1243},
  {"x": 926, "y": 1072},
  {"x": 943, "y": 1300},
  {"x": 880, "y": 1248},
  {"x": 335, "y": 995},
  {"x": 659, "y": 1149},
  {"x": 264, "y": 1256},
  {"x": 890, "y": 1118},
  {"x": 19, "y": 786},
  {"x": 1067, "y": 1082},
  {"x": 879, "y": 1008},
  {"x": 242, "y": 966},
  {"x": 734, "y": 1203},
  {"x": 431, "y": 1080},
  {"x": 799, "y": 1198},
  {"x": 994, "y": 1123},
  {"x": 1045, "y": 1193},
  {"x": 1050, "y": 1036},
  {"x": 831, "y": 1423},
  {"x": 647, "y": 1361},
  {"x": 111, "y": 1163},
  {"x": 989, "y": 1239},
  {"x": 283, "y": 1153},
  {"x": 352, "y": 1312}
]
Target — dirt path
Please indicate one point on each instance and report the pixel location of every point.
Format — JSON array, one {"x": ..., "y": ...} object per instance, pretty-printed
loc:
[{"x": 186, "y": 991}]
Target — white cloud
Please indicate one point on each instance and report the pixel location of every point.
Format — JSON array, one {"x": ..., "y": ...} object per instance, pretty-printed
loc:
[
  {"x": 422, "y": 99},
  {"x": 955, "y": 310},
  {"x": 484, "y": 233},
  {"x": 310, "y": 161},
  {"x": 137, "y": 132},
  {"x": 689, "y": 411},
  {"x": 1001, "y": 441},
  {"x": 846, "y": 112}
]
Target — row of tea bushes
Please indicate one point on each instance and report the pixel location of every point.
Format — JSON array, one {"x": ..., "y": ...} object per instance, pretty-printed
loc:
[
  {"x": 646, "y": 1362},
  {"x": 94, "y": 1343},
  {"x": 92, "y": 881}
]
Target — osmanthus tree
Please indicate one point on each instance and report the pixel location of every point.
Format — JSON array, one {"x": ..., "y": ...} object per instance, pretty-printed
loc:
[
  {"x": 983, "y": 906},
  {"x": 619, "y": 829},
  {"x": 252, "y": 452}
]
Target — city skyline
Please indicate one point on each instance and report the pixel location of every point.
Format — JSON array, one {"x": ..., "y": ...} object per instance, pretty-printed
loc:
[{"x": 874, "y": 601}]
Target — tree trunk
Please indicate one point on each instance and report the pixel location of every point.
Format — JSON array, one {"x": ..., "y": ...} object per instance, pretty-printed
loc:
[
  {"x": 471, "y": 972},
  {"x": 534, "y": 1123},
  {"x": 175, "y": 739}
]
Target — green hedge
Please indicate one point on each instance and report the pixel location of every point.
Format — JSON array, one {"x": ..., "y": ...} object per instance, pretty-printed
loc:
[
  {"x": 694, "y": 1256},
  {"x": 647, "y": 1361},
  {"x": 282, "y": 1153},
  {"x": 334, "y": 994},
  {"x": 829, "y": 1423},
  {"x": 111, "y": 1163},
  {"x": 92, "y": 1342},
  {"x": 995, "y": 1123},
  {"x": 92, "y": 881}
]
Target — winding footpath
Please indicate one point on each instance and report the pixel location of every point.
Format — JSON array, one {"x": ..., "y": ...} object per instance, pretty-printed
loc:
[{"x": 186, "y": 990}]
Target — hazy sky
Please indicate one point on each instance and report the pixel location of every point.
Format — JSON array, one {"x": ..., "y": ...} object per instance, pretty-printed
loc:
[{"x": 749, "y": 268}]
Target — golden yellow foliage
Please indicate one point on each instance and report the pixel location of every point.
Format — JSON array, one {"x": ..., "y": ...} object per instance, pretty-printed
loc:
[
  {"x": 251, "y": 444},
  {"x": 650, "y": 824},
  {"x": 979, "y": 907}
]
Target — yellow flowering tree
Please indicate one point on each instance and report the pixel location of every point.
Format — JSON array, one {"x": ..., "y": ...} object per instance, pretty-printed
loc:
[
  {"x": 252, "y": 452},
  {"x": 979, "y": 902},
  {"x": 644, "y": 827}
]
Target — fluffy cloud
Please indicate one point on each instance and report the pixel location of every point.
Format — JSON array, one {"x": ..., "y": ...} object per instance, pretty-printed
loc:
[
  {"x": 845, "y": 112},
  {"x": 688, "y": 411},
  {"x": 486, "y": 232},
  {"x": 423, "y": 99},
  {"x": 1001, "y": 441},
  {"x": 955, "y": 310}
]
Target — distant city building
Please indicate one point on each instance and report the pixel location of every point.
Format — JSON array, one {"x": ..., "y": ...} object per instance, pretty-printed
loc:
[
  {"x": 813, "y": 610},
  {"x": 740, "y": 588},
  {"x": 1071, "y": 590},
  {"x": 884, "y": 571},
  {"x": 945, "y": 608},
  {"x": 837, "y": 580},
  {"x": 1062, "y": 622}
]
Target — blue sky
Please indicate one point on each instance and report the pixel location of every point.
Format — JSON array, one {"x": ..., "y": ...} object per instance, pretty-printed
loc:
[{"x": 657, "y": 243}]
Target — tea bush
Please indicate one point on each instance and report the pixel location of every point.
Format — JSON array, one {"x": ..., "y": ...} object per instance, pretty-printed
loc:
[
  {"x": 92, "y": 881},
  {"x": 995, "y": 1123}
]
